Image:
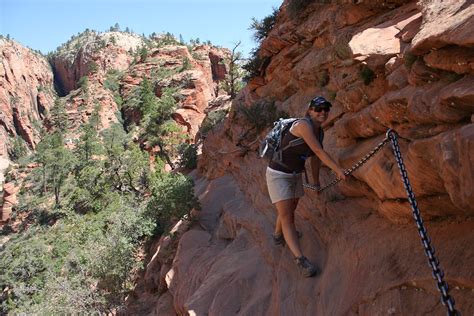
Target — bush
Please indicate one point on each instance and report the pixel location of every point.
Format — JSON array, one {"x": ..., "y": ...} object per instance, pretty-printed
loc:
[
  {"x": 172, "y": 197},
  {"x": 143, "y": 52},
  {"x": 186, "y": 64},
  {"x": 261, "y": 114},
  {"x": 83, "y": 83},
  {"x": 83, "y": 264},
  {"x": 112, "y": 80},
  {"x": 342, "y": 49},
  {"x": 93, "y": 67},
  {"x": 188, "y": 155},
  {"x": 367, "y": 75},
  {"x": 212, "y": 119},
  {"x": 19, "y": 149},
  {"x": 409, "y": 59},
  {"x": 262, "y": 28},
  {"x": 295, "y": 7},
  {"x": 252, "y": 66}
]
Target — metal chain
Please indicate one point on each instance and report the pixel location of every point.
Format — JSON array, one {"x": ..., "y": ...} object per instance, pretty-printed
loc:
[
  {"x": 438, "y": 274},
  {"x": 350, "y": 170}
]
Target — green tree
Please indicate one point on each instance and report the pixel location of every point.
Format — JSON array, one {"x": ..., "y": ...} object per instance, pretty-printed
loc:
[
  {"x": 172, "y": 197},
  {"x": 126, "y": 166},
  {"x": 56, "y": 163},
  {"x": 88, "y": 144},
  {"x": 186, "y": 64},
  {"x": 93, "y": 67},
  {"x": 115, "y": 28},
  {"x": 83, "y": 83},
  {"x": 147, "y": 101},
  {"x": 19, "y": 148},
  {"x": 262, "y": 28},
  {"x": 233, "y": 81},
  {"x": 143, "y": 53},
  {"x": 58, "y": 116}
]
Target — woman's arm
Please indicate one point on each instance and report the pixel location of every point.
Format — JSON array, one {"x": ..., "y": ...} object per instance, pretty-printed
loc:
[
  {"x": 304, "y": 130},
  {"x": 315, "y": 166}
]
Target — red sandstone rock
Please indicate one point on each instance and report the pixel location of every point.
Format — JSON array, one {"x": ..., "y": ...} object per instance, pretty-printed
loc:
[
  {"x": 457, "y": 59},
  {"x": 377, "y": 44},
  {"x": 26, "y": 93},
  {"x": 361, "y": 233},
  {"x": 444, "y": 23}
]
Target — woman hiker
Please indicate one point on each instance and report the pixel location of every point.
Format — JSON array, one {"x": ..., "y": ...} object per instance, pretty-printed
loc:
[{"x": 284, "y": 180}]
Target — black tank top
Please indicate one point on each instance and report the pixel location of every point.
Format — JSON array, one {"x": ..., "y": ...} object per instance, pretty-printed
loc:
[{"x": 295, "y": 157}]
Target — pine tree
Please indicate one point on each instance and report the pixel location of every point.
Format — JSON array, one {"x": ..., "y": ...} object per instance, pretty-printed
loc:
[
  {"x": 232, "y": 83},
  {"x": 56, "y": 163},
  {"x": 58, "y": 116},
  {"x": 143, "y": 53},
  {"x": 147, "y": 101}
]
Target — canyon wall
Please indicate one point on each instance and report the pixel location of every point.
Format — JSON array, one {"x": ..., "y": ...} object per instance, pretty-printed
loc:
[{"x": 404, "y": 65}]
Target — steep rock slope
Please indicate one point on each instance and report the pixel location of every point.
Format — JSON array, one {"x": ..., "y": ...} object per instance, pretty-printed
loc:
[
  {"x": 26, "y": 93},
  {"x": 407, "y": 67}
]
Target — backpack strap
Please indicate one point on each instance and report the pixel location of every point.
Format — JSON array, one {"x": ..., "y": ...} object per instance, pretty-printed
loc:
[{"x": 299, "y": 140}]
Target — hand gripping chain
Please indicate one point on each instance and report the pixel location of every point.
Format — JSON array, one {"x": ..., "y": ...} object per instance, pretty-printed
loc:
[
  {"x": 438, "y": 274},
  {"x": 350, "y": 170}
]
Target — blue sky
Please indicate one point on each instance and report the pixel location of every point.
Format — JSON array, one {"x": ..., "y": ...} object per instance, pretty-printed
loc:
[{"x": 46, "y": 24}]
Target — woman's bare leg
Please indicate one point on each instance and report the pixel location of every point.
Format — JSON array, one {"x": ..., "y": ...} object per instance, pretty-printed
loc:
[{"x": 286, "y": 218}]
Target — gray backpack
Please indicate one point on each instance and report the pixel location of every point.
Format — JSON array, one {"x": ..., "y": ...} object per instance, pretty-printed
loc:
[{"x": 270, "y": 147}]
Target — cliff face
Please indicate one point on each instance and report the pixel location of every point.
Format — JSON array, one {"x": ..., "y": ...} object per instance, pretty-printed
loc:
[
  {"x": 408, "y": 67},
  {"x": 105, "y": 51},
  {"x": 26, "y": 93}
]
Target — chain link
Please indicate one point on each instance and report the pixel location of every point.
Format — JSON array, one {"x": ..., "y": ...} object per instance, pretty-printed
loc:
[{"x": 438, "y": 274}]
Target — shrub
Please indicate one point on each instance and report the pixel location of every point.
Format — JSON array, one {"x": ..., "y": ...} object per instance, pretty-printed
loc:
[
  {"x": 81, "y": 265},
  {"x": 19, "y": 148},
  {"x": 93, "y": 67},
  {"x": 295, "y": 7},
  {"x": 172, "y": 197},
  {"x": 323, "y": 77},
  {"x": 143, "y": 52},
  {"x": 409, "y": 59},
  {"x": 261, "y": 114},
  {"x": 212, "y": 119},
  {"x": 188, "y": 155},
  {"x": 252, "y": 66},
  {"x": 262, "y": 28},
  {"x": 186, "y": 64},
  {"x": 342, "y": 48},
  {"x": 367, "y": 75},
  {"x": 112, "y": 80},
  {"x": 83, "y": 83}
]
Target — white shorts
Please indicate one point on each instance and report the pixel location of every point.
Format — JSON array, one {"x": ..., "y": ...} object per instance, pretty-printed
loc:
[{"x": 284, "y": 186}]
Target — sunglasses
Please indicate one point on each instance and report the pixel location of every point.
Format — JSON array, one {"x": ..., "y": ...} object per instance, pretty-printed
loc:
[{"x": 319, "y": 109}]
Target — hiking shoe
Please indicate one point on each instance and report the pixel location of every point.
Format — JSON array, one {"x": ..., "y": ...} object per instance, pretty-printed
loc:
[
  {"x": 306, "y": 267},
  {"x": 279, "y": 239}
]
